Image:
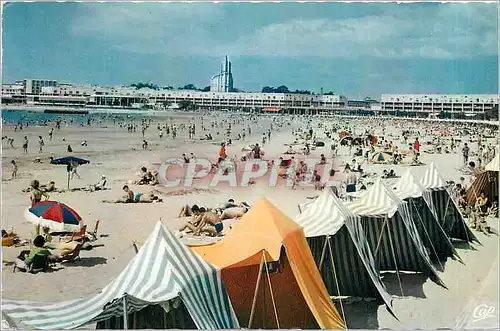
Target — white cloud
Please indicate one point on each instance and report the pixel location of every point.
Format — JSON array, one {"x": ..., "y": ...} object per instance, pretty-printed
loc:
[{"x": 443, "y": 32}]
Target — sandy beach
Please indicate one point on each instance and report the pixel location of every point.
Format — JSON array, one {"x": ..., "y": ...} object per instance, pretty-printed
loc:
[{"x": 117, "y": 154}]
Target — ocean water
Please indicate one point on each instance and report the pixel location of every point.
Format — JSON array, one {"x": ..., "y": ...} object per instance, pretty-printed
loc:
[
  {"x": 38, "y": 118},
  {"x": 12, "y": 117}
]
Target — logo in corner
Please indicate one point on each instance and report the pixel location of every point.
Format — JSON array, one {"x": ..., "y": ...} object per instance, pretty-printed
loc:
[{"x": 483, "y": 312}]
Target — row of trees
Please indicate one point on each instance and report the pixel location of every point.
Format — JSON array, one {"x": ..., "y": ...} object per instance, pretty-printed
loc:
[
  {"x": 189, "y": 87},
  {"x": 285, "y": 89}
]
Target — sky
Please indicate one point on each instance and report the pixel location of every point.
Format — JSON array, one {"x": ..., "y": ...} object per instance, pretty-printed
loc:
[{"x": 352, "y": 49}]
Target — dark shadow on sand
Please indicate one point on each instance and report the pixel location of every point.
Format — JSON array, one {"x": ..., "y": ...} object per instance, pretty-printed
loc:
[
  {"x": 86, "y": 262},
  {"x": 361, "y": 314},
  {"x": 412, "y": 284}
]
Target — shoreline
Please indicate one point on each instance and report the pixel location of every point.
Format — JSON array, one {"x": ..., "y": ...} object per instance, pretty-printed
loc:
[{"x": 129, "y": 111}]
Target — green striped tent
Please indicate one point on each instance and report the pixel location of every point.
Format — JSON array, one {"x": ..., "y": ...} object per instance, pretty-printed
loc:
[
  {"x": 163, "y": 269},
  {"x": 444, "y": 206},
  {"x": 340, "y": 249},
  {"x": 432, "y": 234},
  {"x": 391, "y": 232}
]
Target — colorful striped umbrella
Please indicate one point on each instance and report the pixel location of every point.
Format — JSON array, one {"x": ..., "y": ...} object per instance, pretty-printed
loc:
[
  {"x": 54, "y": 215},
  {"x": 382, "y": 157}
]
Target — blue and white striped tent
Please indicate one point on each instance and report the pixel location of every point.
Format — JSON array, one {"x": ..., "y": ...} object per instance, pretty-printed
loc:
[
  {"x": 426, "y": 220},
  {"x": 163, "y": 269},
  {"x": 340, "y": 249},
  {"x": 444, "y": 206},
  {"x": 391, "y": 232}
]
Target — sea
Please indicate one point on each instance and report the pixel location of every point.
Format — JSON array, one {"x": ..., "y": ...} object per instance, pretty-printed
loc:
[{"x": 37, "y": 117}]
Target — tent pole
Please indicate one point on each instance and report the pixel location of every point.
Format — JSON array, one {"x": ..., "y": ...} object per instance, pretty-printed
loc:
[
  {"x": 322, "y": 260},
  {"x": 336, "y": 280},
  {"x": 125, "y": 319},
  {"x": 271, "y": 291},
  {"x": 257, "y": 285},
  {"x": 395, "y": 262},
  {"x": 379, "y": 242}
]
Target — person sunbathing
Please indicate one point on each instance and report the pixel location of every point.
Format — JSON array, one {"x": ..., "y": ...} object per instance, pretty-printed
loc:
[
  {"x": 130, "y": 197},
  {"x": 50, "y": 187},
  {"x": 209, "y": 222},
  {"x": 101, "y": 185},
  {"x": 233, "y": 212}
]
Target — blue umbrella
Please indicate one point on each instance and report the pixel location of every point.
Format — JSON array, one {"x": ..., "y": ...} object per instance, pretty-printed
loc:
[{"x": 69, "y": 161}]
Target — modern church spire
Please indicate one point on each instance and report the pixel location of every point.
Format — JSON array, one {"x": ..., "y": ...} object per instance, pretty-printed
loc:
[{"x": 223, "y": 82}]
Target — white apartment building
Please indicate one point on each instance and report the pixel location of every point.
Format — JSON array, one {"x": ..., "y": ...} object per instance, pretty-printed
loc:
[
  {"x": 126, "y": 97},
  {"x": 11, "y": 90},
  {"x": 34, "y": 86},
  {"x": 435, "y": 103}
]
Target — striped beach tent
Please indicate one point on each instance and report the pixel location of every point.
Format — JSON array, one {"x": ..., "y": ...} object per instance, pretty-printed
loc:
[
  {"x": 444, "y": 206},
  {"x": 486, "y": 181},
  {"x": 391, "y": 232},
  {"x": 433, "y": 236},
  {"x": 340, "y": 249},
  {"x": 163, "y": 270}
]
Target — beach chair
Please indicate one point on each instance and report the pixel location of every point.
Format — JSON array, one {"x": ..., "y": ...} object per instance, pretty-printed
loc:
[
  {"x": 73, "y": 255},
  {"x": 76, "y": 235},
  {"x": 93, "y": 234}
]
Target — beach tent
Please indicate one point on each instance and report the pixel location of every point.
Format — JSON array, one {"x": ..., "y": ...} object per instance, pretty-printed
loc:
[
  {"x": 163, "y": 270},
  {"x": 391, "y": 232},
  {"x": 487, "y": 182},
  {"x": 341, "y": 250},
  {"x": 270, "y": 273},
  {"x": 444, "y": 206},
  {"x": 433, "y": 236}
]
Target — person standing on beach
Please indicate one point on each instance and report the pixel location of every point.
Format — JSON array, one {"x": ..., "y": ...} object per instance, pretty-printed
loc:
[
  {"x": 416, "y": 145},
  {"x": 40, "y": 144},
  {"x": 465, "y": 153},
  {"x": 51, "y": 132},
  {"x": 74, "y": 166},
  {"x": 14, "y": 169},
  {"x": 25, "y": 145}
]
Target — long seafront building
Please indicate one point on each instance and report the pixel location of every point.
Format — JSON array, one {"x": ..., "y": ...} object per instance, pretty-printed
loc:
[
  {"x": 50, "y": 93},
  {"x": 436, "y": 103}
]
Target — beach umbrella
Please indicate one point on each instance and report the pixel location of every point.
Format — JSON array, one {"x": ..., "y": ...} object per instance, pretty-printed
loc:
[
  {"x": 55, "y": 215},
  {"x": 382, "y": 157},
  {"x": 68, "y": 161}
]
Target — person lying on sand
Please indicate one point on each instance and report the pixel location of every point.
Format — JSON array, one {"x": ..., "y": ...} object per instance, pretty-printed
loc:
[
  {"x": 130, "y": 197},
  {"x": 233, "y": 212}
]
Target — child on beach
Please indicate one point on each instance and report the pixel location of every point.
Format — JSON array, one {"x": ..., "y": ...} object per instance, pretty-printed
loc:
[
  {"x": 40, "y": 144},
  {"x": 14, "y": 169},
  {"x": 25, "y": 145}
]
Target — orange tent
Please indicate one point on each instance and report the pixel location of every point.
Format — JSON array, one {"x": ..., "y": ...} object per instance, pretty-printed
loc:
[{"x": 295, "y": 296}]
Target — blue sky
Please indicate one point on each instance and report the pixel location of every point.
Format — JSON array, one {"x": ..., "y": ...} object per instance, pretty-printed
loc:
[{"x": 352, "y": 49}]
